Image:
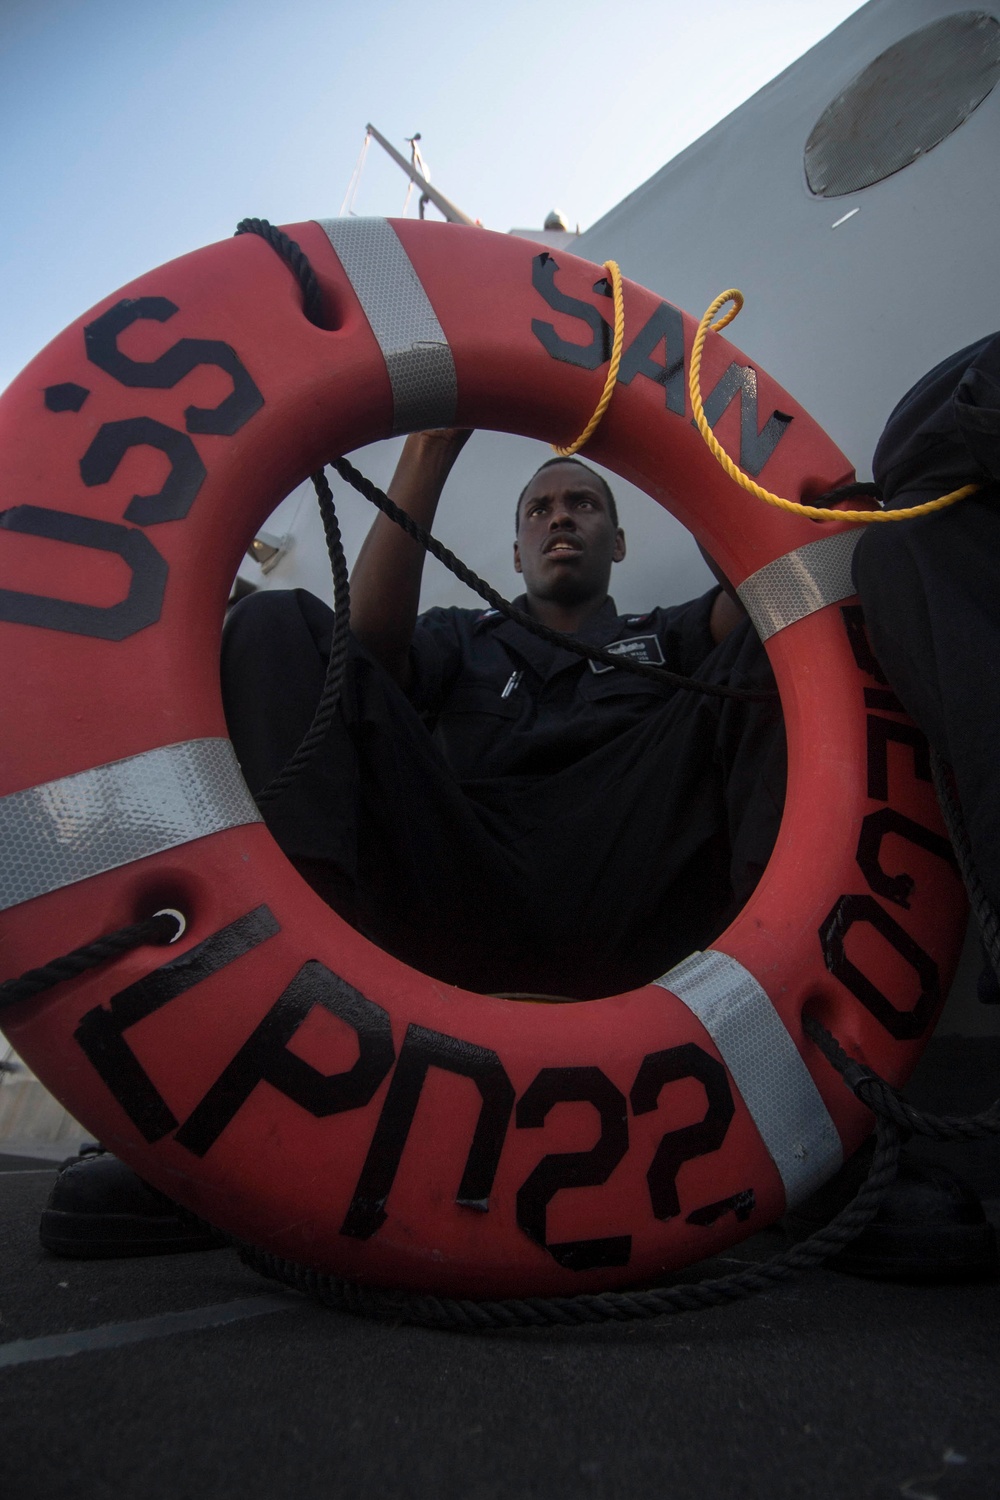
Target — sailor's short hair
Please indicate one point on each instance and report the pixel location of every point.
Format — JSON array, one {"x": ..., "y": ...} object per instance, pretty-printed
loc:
[{"x": 548, "y": 464}]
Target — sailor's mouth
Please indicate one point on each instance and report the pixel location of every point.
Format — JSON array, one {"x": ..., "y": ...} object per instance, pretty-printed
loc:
[{"x": 563, "y": 547}]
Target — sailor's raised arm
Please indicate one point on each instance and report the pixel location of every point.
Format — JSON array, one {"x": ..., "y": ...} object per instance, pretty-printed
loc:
[{"x": 385, "y": 581}]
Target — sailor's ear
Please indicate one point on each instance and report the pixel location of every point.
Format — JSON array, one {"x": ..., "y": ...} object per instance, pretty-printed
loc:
[
  {"x": 517, "y": 558},
  {"x": 619, "y": 553}
]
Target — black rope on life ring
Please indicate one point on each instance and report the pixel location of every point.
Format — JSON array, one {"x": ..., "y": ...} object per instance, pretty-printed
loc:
[{"x": 161, "y": 928}]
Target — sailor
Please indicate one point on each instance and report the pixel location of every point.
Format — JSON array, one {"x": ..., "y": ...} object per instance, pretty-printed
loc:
[{"x": 490, "y": 807}]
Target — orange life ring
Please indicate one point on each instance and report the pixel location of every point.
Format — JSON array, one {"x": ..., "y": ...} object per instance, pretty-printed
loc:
[{"x": 276, "y": 1073}]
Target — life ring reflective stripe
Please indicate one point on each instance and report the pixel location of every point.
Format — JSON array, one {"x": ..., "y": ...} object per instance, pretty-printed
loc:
[
  {"x": 799, "y": 582},
  {"x": 784, "y": 1102},
  {"x": 98, "y": 820},
  {"x": 274, "y": 1071},
  {"x": 418, "y": 357}
]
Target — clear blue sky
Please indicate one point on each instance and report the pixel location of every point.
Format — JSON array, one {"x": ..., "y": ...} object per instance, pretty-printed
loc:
[{"x": 132, "y": 132}]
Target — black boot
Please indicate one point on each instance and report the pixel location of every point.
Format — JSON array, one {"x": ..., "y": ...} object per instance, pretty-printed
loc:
[
  {"x": 930, "y": 1226},
  {"x": 99, "y": 1209}
]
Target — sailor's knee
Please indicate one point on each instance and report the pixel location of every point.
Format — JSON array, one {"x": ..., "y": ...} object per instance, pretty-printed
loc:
[{"x": 277, "y": 620}]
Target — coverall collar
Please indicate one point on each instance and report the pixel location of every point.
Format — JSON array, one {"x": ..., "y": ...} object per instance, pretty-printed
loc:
[{"x": 547, "y": 660}]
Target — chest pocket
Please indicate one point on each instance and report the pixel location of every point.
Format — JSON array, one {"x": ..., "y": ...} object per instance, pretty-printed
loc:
[
  {"x": 473, "y": 722},
  {"x": 477, "y": 698},
  {"x": 620, "y": 685},
  {"x": 603, "y": 681}
]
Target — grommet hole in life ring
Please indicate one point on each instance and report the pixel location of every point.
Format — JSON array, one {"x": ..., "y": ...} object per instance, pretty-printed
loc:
[
  {"x": 179, "y": 918},
  {"x": 179, "y": 892},
  {"x": 813, "y": 492},
  {"x": 274, "y": 1071},
  {"x": 320, "y": 302}
]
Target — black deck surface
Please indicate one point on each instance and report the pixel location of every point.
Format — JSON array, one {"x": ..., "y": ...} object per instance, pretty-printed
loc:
[{"x": 189, "y": 1376}]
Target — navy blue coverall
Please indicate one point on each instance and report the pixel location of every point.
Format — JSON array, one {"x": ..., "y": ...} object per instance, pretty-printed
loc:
[{"x": 519, "y": 821}]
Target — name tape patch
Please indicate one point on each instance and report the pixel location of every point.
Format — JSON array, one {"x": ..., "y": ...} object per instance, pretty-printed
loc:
[{"x": 644, "y": 648}]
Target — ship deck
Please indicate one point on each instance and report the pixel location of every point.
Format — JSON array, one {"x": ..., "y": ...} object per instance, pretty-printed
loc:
[{"x": 190, "y": 1376}]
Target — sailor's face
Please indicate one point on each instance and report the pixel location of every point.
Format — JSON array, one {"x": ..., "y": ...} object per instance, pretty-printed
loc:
[{"x": 566, "y": 539}]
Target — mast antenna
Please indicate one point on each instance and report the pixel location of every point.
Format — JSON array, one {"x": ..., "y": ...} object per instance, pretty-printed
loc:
[{"x": 416, "y": 172}]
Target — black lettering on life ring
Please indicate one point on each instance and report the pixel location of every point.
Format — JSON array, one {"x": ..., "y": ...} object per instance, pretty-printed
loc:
[
  {"x": 104, "y": 622},
  {"x": 901, "y": 1024},
  {"x": 101, "y": 1032},
  {"x": 163, "y": 373},
  {"x": 874, "y": 828},
  {"x": 67, "y": 396},
  {"x": 681, "y": 1145},
  {"x": 176, "y": 495},
  {"x": 861, "y": 646},
  {"x": 585, "y": 356},
  {"x": 756, "y": 446},
  {"x": 666, "y": 327},
  {"x": 665, "y": 324},
  {"x": 741, "y": 1205},
  {"x": 265, "y": 1058},
  {"x": 884, "y": 700},
  {"x": 423, "y": 1049},
  {"x": 880, "y": 732},
  {"x": 572, "y": 1169}
]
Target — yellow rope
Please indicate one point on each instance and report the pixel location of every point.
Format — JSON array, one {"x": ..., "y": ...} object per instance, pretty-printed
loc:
[
  {"x": 816, "y": 512},
  {"x": 611, "y": 266}
]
